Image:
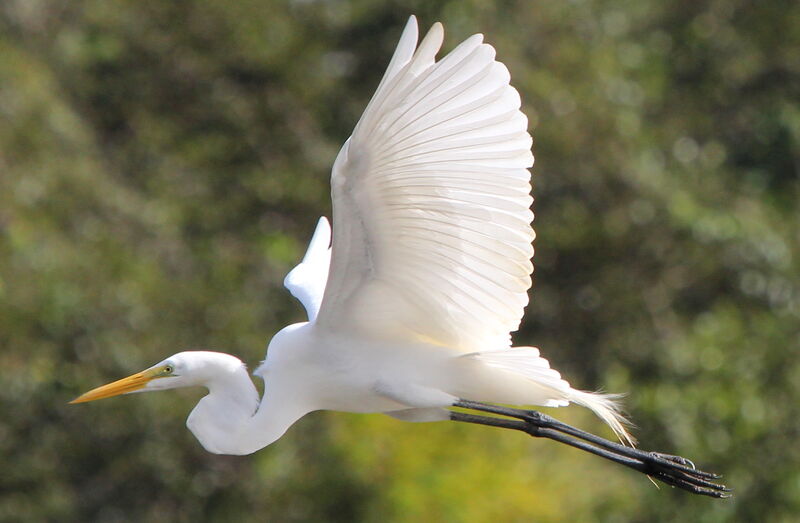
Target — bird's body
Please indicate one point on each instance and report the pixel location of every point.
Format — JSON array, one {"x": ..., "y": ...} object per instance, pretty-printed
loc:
[
  {"x": 411, "y": 305},
  {"x": 309, "y": 369}
]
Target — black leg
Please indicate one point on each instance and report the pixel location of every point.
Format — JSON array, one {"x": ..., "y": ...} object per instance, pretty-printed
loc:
[{"x": 672, "y": 470}]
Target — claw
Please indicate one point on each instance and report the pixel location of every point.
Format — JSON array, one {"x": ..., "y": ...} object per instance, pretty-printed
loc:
[{"x": 677, "y": 459}]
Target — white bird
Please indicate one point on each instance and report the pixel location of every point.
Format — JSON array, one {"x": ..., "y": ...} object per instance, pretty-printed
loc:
[{"x": 411, "y": 307}]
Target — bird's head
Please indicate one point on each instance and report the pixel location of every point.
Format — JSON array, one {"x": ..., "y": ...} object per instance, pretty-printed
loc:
[{"x": 184, "y": 369}]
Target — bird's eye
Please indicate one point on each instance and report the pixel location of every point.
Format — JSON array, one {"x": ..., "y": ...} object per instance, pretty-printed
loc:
[{"x": 168, "y": 369}]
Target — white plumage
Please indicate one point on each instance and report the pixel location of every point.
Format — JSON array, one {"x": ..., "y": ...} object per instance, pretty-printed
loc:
[
  {"x": 307, "y": 281},
  {"x": 432, "y": 236}
]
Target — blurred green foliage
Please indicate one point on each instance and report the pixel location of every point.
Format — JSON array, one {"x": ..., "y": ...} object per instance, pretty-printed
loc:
[{"x": 162, "y": 165}]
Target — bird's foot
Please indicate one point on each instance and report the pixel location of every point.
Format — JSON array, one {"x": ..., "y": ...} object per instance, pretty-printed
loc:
[{"x": 673, "y": 470}]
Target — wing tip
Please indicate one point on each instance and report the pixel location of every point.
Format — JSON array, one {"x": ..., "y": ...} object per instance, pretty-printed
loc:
[
  {"x": 411, "y": 23},
  {"x": 425, "y": 55},
  {"x": 321, "y": 239}
]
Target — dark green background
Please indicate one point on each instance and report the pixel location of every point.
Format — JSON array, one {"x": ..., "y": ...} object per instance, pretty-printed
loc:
[{"x": 162, "y": 166}]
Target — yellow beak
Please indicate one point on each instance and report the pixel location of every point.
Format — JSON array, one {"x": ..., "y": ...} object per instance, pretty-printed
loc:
[{"x": 125, "y": 385}]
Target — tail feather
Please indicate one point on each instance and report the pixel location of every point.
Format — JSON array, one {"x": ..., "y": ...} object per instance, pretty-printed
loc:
[
  {"x": 528, "y": 379},
  {"x": 607, "y": 408}
]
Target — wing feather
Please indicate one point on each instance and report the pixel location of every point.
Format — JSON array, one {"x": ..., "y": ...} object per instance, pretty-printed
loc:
[
  {"x": 431, "y": 203},
  {"x": 307, "y": 280}
]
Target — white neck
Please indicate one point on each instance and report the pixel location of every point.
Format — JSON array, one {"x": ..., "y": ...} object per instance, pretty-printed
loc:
[{"x": 229, "y": 420}]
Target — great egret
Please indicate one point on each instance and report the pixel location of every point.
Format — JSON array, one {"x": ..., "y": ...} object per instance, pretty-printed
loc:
[{"x": 411, "y": 307}]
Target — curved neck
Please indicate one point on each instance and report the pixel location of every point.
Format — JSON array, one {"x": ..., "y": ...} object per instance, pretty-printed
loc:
[{"x": 230, "y": 420}]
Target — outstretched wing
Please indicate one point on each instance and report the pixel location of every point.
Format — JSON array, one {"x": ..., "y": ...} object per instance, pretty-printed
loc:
[
  {"x": 307, "y": 281},
  {"x": 431, "y": 203}
]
